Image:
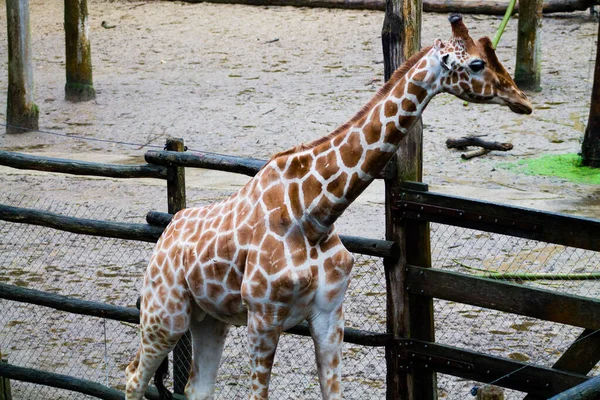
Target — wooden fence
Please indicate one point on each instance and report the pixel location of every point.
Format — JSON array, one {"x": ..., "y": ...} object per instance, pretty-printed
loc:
[{"x": 412, "y": 207}]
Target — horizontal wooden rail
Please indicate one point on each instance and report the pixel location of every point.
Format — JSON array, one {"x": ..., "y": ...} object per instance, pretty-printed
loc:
[
  {"x": 71, "y": 383},
  {"x": 132, "y": 315},
  {"x": 534, "y": 379},
  {"x": 60, "y": 381},
  {"x": 508, "y": 297},
  {"x": 371, "y": 247},
  {"x": 214, "y": 161},
  {"x": 441, "y": 6},
  {"x": 69, "y": 304},
  {"x": 219, "y": 162},
  {"x": 522, "y": 222},
  {"x": 65, "y": 166},
  {"x": 589, "y": 390},
  {"x": 120, "y": 230}
]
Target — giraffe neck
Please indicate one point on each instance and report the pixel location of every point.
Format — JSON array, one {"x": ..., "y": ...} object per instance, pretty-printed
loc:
[{"x": 335, "y": 171}]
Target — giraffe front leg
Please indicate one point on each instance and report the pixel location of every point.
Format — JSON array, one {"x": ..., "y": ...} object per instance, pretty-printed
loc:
[
  {"x": 327, "y": 331},
  {"x": 262, "y": 343}
]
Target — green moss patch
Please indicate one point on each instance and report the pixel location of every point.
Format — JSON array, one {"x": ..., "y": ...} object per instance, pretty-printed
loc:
[{"x": 565, "y": 166}]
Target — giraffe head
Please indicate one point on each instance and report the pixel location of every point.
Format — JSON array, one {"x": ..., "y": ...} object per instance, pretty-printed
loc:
[{"x": 472, "y": 72}]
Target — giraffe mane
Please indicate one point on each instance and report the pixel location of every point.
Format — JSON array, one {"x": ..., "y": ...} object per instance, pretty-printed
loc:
[{"x": 385, "y": 89}]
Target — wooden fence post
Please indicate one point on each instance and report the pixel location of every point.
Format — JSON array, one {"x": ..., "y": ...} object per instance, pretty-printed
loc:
[
  {"x": 490, "y": 393},
  {"x": 5, "y": 393},
  {"x": 590, "y": 149},
  {"x": 408, "y": 316},
  {"x": 529, "y": 45},
  {"x": 182, "y": 354},
  {"x": 21, "y": 112},
  {"x": 79, "y": 86}
]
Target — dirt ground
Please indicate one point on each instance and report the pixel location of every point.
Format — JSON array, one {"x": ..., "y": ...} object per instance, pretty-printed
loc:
[{"x": 251, "y": 81}]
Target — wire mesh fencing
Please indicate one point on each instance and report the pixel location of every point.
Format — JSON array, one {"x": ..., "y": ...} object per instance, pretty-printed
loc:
[
  {"x": 522, "y": 261},
  {"x": 110, "y": 270}
]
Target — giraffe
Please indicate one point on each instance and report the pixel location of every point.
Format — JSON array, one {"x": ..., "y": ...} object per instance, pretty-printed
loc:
[{"x": 269, "y": 256}]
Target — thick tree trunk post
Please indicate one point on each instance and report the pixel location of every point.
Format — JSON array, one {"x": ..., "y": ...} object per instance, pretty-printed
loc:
[
  {"x": 590, "y": 149},
  {"x": 182, "y": 354},
  {"x": 21, "y": 112},
  {"x": 407, "y": 315},
  {"x": 79, "y": 85},
  {"x": 529, "y": 45}
]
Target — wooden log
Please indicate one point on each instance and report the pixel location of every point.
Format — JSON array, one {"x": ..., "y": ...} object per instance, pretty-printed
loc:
[
  {"x": 490, "y": 392},
  {"x": 590, "y": 148},
  {"x": 68, "y": 304},
  {"x": 466, "y": 141},
  {"x": 176, "y": 201},
  {"x": 66, "y": 166},
  {"x": 79, "y": 86},
  {"x": 502, "y": 296},
  {"x": 355, "y": 244},
  {"x": 21, "y": 111},
  {"x": 219, "y": 162},
  {"x": 589, "y": 390},
  {"x": 498, "y": 7},
  {"x": 491, "y": 7},
  {"x": 119, "y": 230},
  {"x": 71, "y": 383},
  {"x": 528, "y": 69},
  {"x": 479, "y": 367},
  {"x": 474, "y": 153},
  {"x": 132, "y": 315}
]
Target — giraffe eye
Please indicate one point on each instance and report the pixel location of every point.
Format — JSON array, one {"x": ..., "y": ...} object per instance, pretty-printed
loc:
[{"x": 477, "y": 65}]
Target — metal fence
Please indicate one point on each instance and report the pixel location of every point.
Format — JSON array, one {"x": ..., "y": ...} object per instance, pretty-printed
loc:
[{"x": 110, "y": 270}]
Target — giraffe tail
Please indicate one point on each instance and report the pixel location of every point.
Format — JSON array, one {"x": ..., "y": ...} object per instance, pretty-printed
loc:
[{"x": 159, "y": 376}]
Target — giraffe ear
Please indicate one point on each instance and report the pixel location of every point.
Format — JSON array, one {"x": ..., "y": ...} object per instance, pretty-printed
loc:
[{"x": 438, "y": 44}]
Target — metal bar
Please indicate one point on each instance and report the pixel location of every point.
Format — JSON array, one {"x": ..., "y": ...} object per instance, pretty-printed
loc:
[
  {"x": 74, "y": 167},
  {"x": 119, "y": 230},
  {"x": 481, "y": 367},
  {"x": 508, "y": 297},
  {"x": 355, "y": 244},
  {"x": 544, "y": 226}
]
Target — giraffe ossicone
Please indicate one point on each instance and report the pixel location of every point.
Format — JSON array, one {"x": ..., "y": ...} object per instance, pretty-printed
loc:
[{"x": 268, "y": 256}]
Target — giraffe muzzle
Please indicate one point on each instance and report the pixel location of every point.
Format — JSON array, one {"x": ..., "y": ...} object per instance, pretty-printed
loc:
[{"x": 520, "y": 108}]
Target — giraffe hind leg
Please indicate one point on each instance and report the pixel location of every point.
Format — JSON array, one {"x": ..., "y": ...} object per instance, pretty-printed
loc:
[
  {"x": 159, "y": 334},
  {"x": 208, "y": 335}
]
